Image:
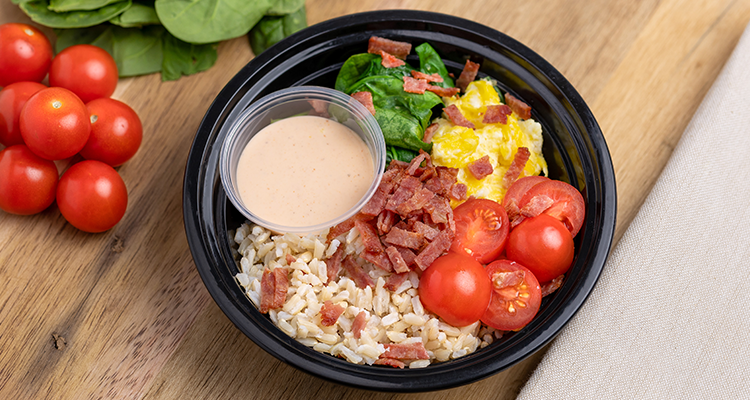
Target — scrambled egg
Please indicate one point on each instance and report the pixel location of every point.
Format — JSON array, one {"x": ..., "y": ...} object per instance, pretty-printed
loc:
[{"x": 457, "y": 146}]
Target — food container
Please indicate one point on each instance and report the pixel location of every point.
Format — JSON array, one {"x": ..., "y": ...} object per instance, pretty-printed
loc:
[
  {"x": 574, "y": 148},
  {"x": 290, "y": 102}
]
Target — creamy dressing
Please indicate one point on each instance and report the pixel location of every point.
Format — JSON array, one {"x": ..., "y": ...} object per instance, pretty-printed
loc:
[{"x": 303, "y": 171}]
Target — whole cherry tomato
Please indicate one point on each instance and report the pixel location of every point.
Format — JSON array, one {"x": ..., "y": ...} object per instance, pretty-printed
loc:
[
  {"x": 116, "y": 132},
  {"x": 27, "y": 182},
  {"x": 542, "y": 244},
  {"x": 481, "y": 229},
  {"x": 55, "y": 123},
  {"x": 12, "y": 99},
  {"x": 92, "y": 196},
  {"x": 25, "y": 54},
  {"x": 86, "y": 70},
  {"x": 456, "y": 288},
  {"x": 516, "y": 296}
]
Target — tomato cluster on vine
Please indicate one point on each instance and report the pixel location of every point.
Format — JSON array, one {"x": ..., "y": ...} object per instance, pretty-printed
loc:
[{"x": 72, "y": 119}]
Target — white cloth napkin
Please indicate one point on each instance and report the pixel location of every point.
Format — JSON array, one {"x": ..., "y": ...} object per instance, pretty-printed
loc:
[{"x": 670, "y": 315}]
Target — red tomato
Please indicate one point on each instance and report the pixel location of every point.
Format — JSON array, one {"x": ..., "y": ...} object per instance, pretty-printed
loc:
[
  {"x": 12, "y": 99},
  {"x": 92, "y": 196},
  {"x": 116, "y": 132},
  {"x": 558, "y": 199},
  {"x": 25, "y": 54},
  {"x": 27, "y": 182},
  {"x": 543, "y": 245},
  {"x": 516, "y": 296},
  {"x": 481, "y": 229},
  {"x": 86, "y": 70},
  {"x": 55, "y": 123},
  {"x": 519, "y": 188},
  {"x": 456, "y": 288}
]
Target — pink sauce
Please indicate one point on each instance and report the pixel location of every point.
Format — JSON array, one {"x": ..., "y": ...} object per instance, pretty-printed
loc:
[{"x": 303, "y": 171}]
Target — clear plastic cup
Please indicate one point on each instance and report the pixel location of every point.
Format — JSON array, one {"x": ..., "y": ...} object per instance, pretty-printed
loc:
[{"x": 300, "y": 100}]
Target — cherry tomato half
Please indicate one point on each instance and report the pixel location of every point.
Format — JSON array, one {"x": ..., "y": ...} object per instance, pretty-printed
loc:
[
  {"x": 55, "y": 123},
  {"x": 116, "y": 132},
  {"x": 516, "y": 296},
  {"x": 27, "y": 182},
  {"x": 558, "y": 199},
  {"x": 12, "y": 99},
  {"x": 25, "y": 54},
  {"x": 456, "y": 288},
  {"x": 92, "y": 196},
  {"x": 86, "y": 70},
  {"x": 481, "y": 229},
  {"x": 542, "y": 244}
]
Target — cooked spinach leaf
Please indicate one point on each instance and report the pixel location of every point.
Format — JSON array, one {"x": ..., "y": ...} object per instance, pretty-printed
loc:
[
  {"x": 270, "y": 30},
  {"x": 182, "y": 58},
  {"x": 136, "y": 16},
  {"x": 78, "y": 5},
  {"x": 209, "y": 21},
  {"x": 430, "y": 63},
  {"x": 39, "y": 12},
  {"x": 352, "y": 70}
]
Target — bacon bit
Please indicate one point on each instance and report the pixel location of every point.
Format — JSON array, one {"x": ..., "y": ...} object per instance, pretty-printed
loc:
[
  {"x": 434, "y": 250},
  {"x": 443, "y": 92},
  {"x": 430, "y": 132},
  {"x": 519, "y": 107},
  {"x": 341, "y": 228},
  {"x": 386, "y": 219},
  {"x": 281, "y": 285},
  {"x": 289, "y": 259},
  {"x": 400, "y": 237},
  {"x": 376, "y": 204},
  {"x": 390, "y": 362},
  {"x": 359, "y": 323},
  {"x": 468, "y": 74},
  {"x": 267, "y": 289},
  {"x": 399, "y": 49},
  {"x": 515, "y": 193},
  {"x": 370, "y": 238},
  {"x": 417, "y": 86},
  {"x": 438, "y": 209},
  {"x": 537, "y": 205},
  {"x": 406, "y": 189},
  {"x": 416, "y": 162},
  {"x": 361, "y": 278},
  {"x": 366, "y": 99},
  {"x": 480, "y": 168},
  {"x": 405, "y": 351},
  {"x": 330, "y": 313},
  {"x": 320, "y": 108},
  {"x": 501, "y": 280},
  {"x": 379, "y": 259},
  {"x": 552, "y": 286},
  {"x": 389, "y": 61},
  {"x": 333, "y": 264},
  {"x": 429, "y": 78},
  {"x": 496, "y": 113},
  {"x": 416, "y": 202},
  {"x": 454, "y": 114},
  {"x": 458, "y": 191},
  {"x": 444, "y": 181},
  {"x": 516, "y": 167},
  {"x": 394, "y": 281},
  {"x": 399, "y": 265},
  {"x": 425, "y": 230}
]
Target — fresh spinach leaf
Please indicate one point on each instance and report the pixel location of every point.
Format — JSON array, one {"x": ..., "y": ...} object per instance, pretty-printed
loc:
[
  {"x": 38, "y": 12},
  {"x": 284, "y": 7},
  {"x": 78, "y": 5},
  {"x": 182, "y": 58},
  {"x": 401, "y": 129},
  {"x": 136, "y": 16},
  {"x": 270, "y": 30},
  {"x": 430, "y": 63},
  {"x": 352, "y": 70},
  {"x": 398, "y": 153},
  {"x": 209, "y": 21},
  {"x": 71, "y": 37},
  {"x": 138, "y": 51},
  {"x": 376, "y": 68},
  {"x": 388, "y": 91}
]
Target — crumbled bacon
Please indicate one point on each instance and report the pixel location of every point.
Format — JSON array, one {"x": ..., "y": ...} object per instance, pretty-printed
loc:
[
  {"x": 359, "y": 323},
  {"x": 394, "y": 281},
  {"x": 516, "y": 167},
  {"x": 289, "y": 259},
  {"x": 443, "y": 92},
  {"x": 434, "y": 250},
  {"x": 330, "y": 313},
  {"x": 398, "y": 262},
  {"x": 425, "y": 230},
  {"x": 416, "y": 202},
  {"x": 366, "y": 99},
  {"x": 552, "y": 286},
  {"x": 417, "y": 86},
  {"x": 389, "y": 61},
  {"x": 406, "y": 189},
  {"x": 416, "y": 162},
  {"x": 370, "y": 238},
  {"x": 515, "y": 193},
  {"x": 429, "y": 78},
  {"x": 379, "y": 259},
  {"x": 496, "y": 113},
  {"x": 407, "y": 255},
  {"x": 405, "y": 351},
  {"x": 333, "y": 264},
  {"x": 361, "y": 278},
  {"x": 454, "y": 114},
  {"x": 481, "y": 168},
  {"x": 386, "y": 219},
  {"x": 458, "y": 191},
  {"x": 399, "y": 49},
  {"x": 519, "y": 107},
  {"x": 468, "y": 74},
  {"x": 392, "y": 362},
  {"x": 400, "y": 237},
  {"x": 341, "y": 228},
  {"x": 430, "y": 132},
  {"x": 273, "y": 287}
]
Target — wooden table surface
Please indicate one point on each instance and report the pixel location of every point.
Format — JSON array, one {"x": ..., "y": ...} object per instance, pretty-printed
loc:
[{"x": 124, "y": 314}]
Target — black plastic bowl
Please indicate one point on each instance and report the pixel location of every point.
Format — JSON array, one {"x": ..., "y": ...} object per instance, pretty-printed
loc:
[{"x": 573, "y": 146}]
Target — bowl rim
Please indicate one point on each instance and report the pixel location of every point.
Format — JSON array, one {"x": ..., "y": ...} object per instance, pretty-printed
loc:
[{"x": 445, "y": 375}]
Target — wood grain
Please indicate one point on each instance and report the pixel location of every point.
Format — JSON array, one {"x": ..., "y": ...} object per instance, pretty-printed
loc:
[{"x": 124, "y": 314}]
